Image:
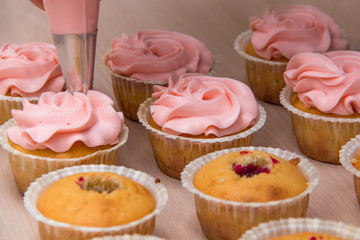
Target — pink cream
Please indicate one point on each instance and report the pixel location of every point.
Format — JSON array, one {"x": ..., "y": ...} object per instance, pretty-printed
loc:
[{"x": 72, "y": 16}]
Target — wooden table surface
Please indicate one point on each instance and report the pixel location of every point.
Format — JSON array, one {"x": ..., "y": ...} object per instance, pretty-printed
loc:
[{"x": 216, "y": 23}]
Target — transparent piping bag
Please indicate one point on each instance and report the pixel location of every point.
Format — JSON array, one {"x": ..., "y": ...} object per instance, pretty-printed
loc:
[{"x": 73, "y": 25}]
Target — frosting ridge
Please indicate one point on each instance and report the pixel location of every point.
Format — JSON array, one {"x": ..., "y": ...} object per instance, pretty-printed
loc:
[
  {"x": 286, "y": 31},
  {"x": 199, "y": 104},
  {"x": 330, "y": 81},
  {"x": 59, "y": 120},
  {"x": 155, "y": 55},
  {"x": 29, "y": 69}
]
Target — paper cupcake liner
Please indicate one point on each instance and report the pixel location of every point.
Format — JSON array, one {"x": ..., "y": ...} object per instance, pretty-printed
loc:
[
  {"x": 223, "y": 219},
  {"x": 130, "y": 93},
  {"x": 265, "y": 77},
  {"x": 348, "y": 152},
  {"x": 7, "y": 103},
  {"x": 317, "y": 136},
  {"x": 297, "y": 225},
  {"x": 129, "y": 237},
  {"x": 50, "y": 229},
  {"x": 172, "y": 153},
  {"x": 26, "y": 168}
]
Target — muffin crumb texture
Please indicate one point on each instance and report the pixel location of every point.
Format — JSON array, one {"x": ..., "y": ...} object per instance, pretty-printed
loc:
[
  {"x": 356, "y": 162},
  {"x": 250, "y": 176},
  {"x": 96, "y": 199}
]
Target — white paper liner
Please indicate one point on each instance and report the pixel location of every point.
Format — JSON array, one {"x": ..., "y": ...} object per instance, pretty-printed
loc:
[
  {"x": 30, "y": 164},
  {"x": 36, "y": 188},
  {"x": 7, "y": 103},
  {"x": 296, "y": 225},
  {"x": 253, "y": 209},
  {"x": 129, "y": 237},
  {"x": 350, "y": 151},
  {"x": 144, "y": 117}
]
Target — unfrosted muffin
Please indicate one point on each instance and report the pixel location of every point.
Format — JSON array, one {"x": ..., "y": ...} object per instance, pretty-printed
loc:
[
  {"x": 350, "y": 159},
  {"x": 257, "y": 177},
  {"x": 87, "y": 201},
  {"x": 324, "y": 101},
  {"x": 302, "y": 229},
  {"x": 62, "y": 130},
  {"x": 246, "y": 186},
  {"x": 95, "y": 199},
  {"x": 26, "y": 71},
  {"x": 149, "y": 58},
  {"x": 283, "y": 32},
  {"x": 197, "y": 115}
]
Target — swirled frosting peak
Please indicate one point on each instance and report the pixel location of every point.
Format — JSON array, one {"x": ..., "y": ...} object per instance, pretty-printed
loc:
[
  {"x": 286, "y": 31},
  {"x": 156, "y": 55},
  {"x": 59, "y": 120},
  {"x": 29, "y": 69},
  {"x": 199, "y": 104},
  {"x": 330, "y": 82}
]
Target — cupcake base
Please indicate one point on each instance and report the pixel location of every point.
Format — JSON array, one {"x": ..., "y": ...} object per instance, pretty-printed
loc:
[
  {"x": 51, "y": 229},
  {"x": 265, "y": 77},
  {"x": 173, "y": 153},
  {"x": 26, "y": 168},
  {"x": 223, "y": 219}
]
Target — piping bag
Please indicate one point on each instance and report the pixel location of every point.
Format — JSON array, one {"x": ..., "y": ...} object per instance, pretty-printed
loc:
[{"x": 74, "y": 25}]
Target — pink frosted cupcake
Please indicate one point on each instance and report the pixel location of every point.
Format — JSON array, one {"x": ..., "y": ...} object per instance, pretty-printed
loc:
[
  {"x": 149, "y": 58},
  {"x": 106, "y": 195},
  {"x": 323, "y": 96},
  {"x": 302, "y": 228},
  {"x": 62, "y": 130},
  {"x": 26, "y": 71},
  {"x": 197, "y": 115},
  {"x": 283, "y": 32}
]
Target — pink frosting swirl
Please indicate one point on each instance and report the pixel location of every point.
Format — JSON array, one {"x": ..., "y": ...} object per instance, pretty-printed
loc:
[
  {"x": 199, "y": 104},
  {"x": 286, "y": 31},
  {"x": 29, "y": 69},
  {"x": 61, "y": 119},
  {"x": 156, "y": 55},
  {"x": 330, "y": 82}
]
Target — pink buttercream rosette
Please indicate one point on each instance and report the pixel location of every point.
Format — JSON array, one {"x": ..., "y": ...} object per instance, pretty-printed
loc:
[
  {"x": 27, "y": 70},
  {"x": 224, "y": 219},
  {"x": 55, "y": 123},
  {"x": 283, "y": 227},
  {"x": 149, "y": 58},
  {"x": 51, "y": 229},
  {"x": 199, "y": 104},
  {"x": 284, "y": 32},
  {"x": 329, "y": 82}
]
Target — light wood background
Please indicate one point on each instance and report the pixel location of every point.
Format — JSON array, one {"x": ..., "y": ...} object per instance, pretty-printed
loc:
[{"x": 217, "y": 23}]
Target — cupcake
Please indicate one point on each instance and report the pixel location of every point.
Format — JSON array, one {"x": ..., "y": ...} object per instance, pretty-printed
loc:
[
  {"x": 26, "y": 71},
  {"x": 62, "y": 130},
  {"x": 197, "y": 115},
  {"x": 302, "y": 229},
  {"x": 149, "y": 58},
  {"x": 270, "y": 184},
  {"x": 350, "y": 160},
  {"x": 323, "y": 97},
  {"x": 283, "y": 32},
  {"x": 87, "y": 201}
]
